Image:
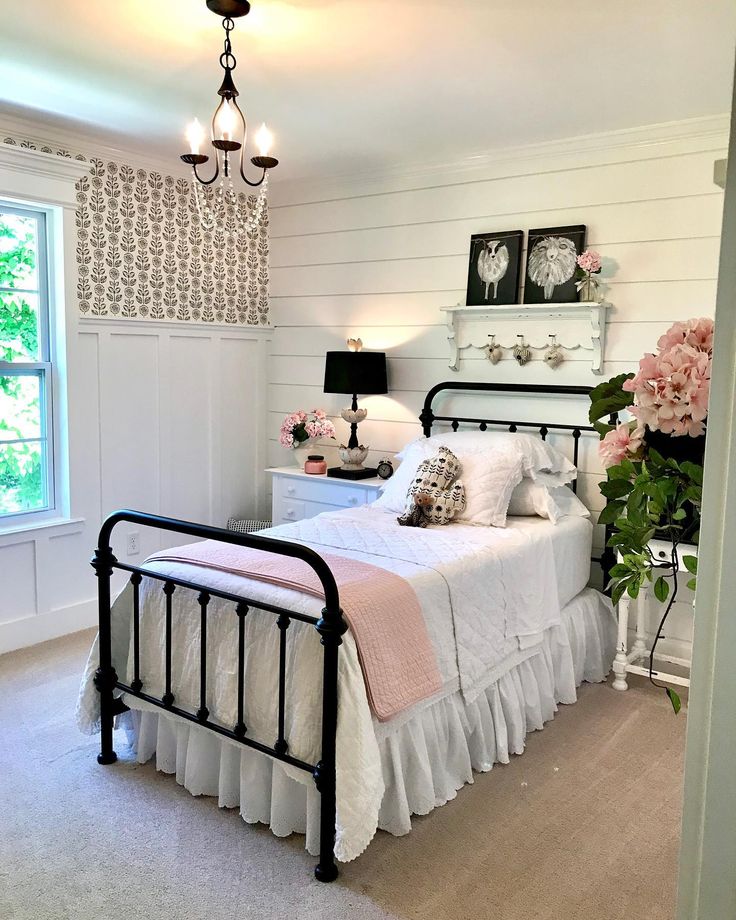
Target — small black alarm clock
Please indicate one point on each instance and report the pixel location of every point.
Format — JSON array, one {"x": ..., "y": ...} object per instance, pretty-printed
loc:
[{"x": 385, "y": 468}]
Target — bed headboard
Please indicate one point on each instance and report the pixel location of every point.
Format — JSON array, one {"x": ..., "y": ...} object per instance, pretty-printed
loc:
[{"x": 428, "y": 418}]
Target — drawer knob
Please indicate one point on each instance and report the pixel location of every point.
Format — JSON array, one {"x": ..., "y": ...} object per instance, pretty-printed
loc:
[
  {"x": 290, "y": 490},
  {"x": 353, "y": 500},
  {"x": 290, "y": 513}
]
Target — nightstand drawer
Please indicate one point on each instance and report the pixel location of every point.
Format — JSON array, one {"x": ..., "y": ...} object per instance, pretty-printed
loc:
[
  {"x": 321, "y": 489},
  {"x": 287, "y": 510},
  {"x": 297, "y": 495}
]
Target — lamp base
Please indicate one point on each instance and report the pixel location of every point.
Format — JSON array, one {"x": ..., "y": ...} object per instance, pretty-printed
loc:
[{"x": 339, "y": 472}]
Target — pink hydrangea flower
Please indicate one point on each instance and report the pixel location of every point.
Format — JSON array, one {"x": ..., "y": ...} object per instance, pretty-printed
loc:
[
  {"x": 314, "y": 425},
  {"x": 589, "y": 261},
  {"x": 622, "y": 441},
  {"x": 671, "y": 388}
]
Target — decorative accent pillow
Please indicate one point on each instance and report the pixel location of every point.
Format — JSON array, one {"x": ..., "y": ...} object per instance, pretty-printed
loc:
[
  {"x": 538, "y": 456},
  {"x": 489, "y": 477},
  {"x": 436, "y": 495},
  {"x": 542, "y": 497}
]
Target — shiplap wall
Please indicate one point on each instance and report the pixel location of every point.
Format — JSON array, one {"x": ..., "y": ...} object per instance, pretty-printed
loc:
[{"x": 377, "y": 258}]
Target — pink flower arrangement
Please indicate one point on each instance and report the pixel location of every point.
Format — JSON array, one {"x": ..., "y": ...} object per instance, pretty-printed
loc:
[
  {"x": 301, "y": 426},
  {"x": 623, "y": 441},
  {"x": 589, "y": 261},
  {"x": 672, "y": 387}
]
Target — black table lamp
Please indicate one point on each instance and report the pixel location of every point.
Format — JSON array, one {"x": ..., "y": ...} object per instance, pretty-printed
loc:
[{"x": 354, "y": 372}]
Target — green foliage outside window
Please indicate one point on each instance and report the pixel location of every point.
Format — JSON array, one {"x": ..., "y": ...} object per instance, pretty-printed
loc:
[{"x": 21, "y": 465}]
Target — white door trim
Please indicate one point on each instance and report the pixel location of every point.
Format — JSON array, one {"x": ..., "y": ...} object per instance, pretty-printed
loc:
[{"x": 707, "y": 885}]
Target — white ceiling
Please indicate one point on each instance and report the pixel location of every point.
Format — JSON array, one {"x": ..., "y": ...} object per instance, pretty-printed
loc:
[{"x": 354, "y": 85}]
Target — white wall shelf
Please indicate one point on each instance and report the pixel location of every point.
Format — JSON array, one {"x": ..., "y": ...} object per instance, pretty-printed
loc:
[{"x": 573, "y": 325}]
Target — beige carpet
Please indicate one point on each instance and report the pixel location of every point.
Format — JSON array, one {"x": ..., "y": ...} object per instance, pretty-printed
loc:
[{"x": 584, "y": 825}]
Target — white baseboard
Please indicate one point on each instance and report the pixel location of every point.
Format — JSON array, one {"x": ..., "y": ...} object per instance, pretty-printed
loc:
[{"x": 41, "y": 627}]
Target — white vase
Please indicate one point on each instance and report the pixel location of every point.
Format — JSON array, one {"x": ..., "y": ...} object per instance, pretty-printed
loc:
[{"x": 301, "y": 453}]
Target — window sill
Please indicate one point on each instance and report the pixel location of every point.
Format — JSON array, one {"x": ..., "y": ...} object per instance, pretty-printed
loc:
[{"x": 63, "y": 526}]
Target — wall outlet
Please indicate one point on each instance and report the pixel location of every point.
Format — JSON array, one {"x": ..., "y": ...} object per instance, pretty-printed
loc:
[{"x": 134, "y": 543}]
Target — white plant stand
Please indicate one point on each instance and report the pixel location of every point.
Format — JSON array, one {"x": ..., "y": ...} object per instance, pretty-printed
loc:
[
  {"x": 579, "y": 325},
  {"x": 636, "y": 660}
]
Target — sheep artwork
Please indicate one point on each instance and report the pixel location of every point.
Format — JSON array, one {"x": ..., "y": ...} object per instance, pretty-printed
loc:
[
  {"x": 493, "y": 263},
  {"x": 494, "y": 268},
  {"x": 552, "y": 262}
]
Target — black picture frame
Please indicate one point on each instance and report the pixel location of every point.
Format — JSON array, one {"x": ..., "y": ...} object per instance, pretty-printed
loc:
[
  {"x": 552, "y": 279},
  {"x": 502, "y": 275}
]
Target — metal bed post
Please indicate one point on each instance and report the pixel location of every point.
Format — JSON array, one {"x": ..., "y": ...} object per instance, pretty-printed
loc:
[
  {"x": 331, "y": 627},
  {"x": 105, "y": 678}
]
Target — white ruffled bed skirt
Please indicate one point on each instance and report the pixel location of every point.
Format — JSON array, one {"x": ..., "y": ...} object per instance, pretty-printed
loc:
[{"x": 426, "y": 757}]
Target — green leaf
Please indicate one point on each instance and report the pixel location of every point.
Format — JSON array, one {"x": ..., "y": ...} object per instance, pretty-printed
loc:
[
  {"x": 692, "y": 584},
  {"x": 693, "y": 470},
  {"x": 620, "y": 570},
  {"x": 616, "y": 488},
  {"x": 674, "y": 699},
  {"x": 617, "y": 592},
  {"x": 661, "y": 589},
  {"x": 609, "y": 397},
  {"x": 633, "y": 589},
  {"x": 691, "y": 564},
  {"x": 609, "y": 514},
  {"x": 679, "y": 515},
  {"x": 656, "y": 458}
]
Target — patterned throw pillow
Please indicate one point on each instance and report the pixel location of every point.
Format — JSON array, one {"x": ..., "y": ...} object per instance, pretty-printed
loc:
[{"x": 437, "y": 494}]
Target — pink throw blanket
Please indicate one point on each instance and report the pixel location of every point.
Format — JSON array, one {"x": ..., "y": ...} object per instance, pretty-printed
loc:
[{"x": 381, "y": 608}]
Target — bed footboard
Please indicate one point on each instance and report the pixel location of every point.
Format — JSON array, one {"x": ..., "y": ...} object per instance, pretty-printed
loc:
[{"x": 331, "y": 626}]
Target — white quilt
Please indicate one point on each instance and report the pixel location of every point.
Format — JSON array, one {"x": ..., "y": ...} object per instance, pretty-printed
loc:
[{"x": 487, "y": 595}]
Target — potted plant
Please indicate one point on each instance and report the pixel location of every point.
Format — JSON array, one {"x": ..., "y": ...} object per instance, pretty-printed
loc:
[
  {"x": 654, "y": 463},
  {"x": 588, "y": 264},
  {"x": 299, "y": 429}
]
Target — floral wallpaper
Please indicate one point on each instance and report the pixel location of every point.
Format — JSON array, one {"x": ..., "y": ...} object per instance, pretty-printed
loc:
[{"x": 143, "y": 253}]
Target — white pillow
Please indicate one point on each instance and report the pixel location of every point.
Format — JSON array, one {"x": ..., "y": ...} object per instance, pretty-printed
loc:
[
  {"x": 537, "y": 455},
  {"x": 489, "y": 478},
  {"x": 544, "y": 498}
]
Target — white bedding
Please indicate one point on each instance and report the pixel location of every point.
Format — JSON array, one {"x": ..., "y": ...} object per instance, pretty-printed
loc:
[{"x": 488, "y": 595}]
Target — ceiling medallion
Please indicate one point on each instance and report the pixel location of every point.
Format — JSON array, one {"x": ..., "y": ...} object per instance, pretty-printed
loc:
[{"x": 221, "y": 206}]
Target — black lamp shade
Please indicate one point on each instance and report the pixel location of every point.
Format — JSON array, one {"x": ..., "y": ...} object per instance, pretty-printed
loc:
[{"x": 357, "y": 372}]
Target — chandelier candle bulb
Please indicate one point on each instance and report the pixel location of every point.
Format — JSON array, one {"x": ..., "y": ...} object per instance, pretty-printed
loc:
[
  {"x": 195, "y": 136},
  {"x": 225, "y": 122},
  {"x": 264, "y": 140}
]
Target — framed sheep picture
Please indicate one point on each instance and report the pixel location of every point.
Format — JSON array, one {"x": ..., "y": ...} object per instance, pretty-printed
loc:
[
  {"x": 494, "y": 268},
  {"x": 550, "y": 264}
]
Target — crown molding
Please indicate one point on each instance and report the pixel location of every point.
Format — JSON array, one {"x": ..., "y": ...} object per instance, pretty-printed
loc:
[
  {"x": 645, "y": 142},
  {"x": 39, "y": 176},
  {"x": 86, "y": 142}
]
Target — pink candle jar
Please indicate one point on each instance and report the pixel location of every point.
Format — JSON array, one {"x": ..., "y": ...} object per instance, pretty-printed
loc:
[{"x": 316, "y": 465}]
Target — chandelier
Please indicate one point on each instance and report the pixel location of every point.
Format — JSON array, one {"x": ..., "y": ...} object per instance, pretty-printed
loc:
[{"x": 221, "y": 207}]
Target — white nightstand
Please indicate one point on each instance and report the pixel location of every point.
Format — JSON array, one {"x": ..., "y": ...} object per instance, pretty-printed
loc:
[
  {"x": 636, "y": 661},
  {"x": 298, "y": 495}
]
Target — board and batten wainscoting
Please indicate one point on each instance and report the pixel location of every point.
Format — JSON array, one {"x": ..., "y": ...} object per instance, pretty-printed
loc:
[
  {"x": 378, "y": 256},
  {"x": 164, "y": 417}
]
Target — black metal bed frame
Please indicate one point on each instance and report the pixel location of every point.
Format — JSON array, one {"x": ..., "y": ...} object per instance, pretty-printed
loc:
[{"x": 331, "y": 625}]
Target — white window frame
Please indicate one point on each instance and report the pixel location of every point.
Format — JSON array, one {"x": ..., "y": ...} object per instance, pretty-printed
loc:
[{"x": 43, "y": 368}]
